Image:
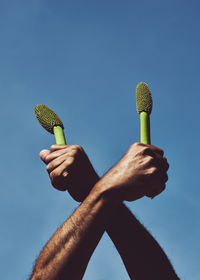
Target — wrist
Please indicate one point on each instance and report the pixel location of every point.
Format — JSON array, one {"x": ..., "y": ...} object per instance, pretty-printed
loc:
[
  {"x": 98, "y": 199},
  {"x": 107, "y": 192}
]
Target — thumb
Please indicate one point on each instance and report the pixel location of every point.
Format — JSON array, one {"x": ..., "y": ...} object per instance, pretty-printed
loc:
[{"x": 43, "y": 154}]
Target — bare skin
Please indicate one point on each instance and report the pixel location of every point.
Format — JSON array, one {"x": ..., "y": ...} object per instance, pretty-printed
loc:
[{"x": 127, "y": 180}]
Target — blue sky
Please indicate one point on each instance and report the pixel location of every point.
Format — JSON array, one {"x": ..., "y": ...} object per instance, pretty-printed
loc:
[{"x": 84, "y": 59}]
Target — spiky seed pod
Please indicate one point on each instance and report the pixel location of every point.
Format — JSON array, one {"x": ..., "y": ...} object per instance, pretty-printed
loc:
[
  {"x": 143, "y": 98},
  {"x": 47, "y": 117}
]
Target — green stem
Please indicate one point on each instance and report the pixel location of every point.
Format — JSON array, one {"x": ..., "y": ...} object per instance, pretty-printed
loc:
[
  {"x": 59, "y": 135},
  {"x": 145, "y": 128}
]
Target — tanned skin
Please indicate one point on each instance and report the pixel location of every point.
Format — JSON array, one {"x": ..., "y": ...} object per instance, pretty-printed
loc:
[{"x": 142, "y": 171}]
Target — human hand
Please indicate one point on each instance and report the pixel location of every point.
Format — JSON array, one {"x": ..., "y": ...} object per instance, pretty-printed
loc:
[
  {"x": 141, "y": 171},
  {"x": 70, "y": 169}
]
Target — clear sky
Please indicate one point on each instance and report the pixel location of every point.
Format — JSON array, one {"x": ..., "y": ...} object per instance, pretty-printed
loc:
[{"x": 84, "y": 60}]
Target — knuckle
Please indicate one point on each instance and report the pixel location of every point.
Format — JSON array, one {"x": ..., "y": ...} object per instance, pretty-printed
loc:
[
  {"x": 164, "y": 164},
  {"x": 72, "y": 153},
  {"x": 153, "y": 170},
  {"x": 53, "y": 177},
  {"x": 167, "y": 164},
  {"x": 56, "y": 181},
  {"x": 44, "y": 157},
  {"x": 159, "y": 151},
  {"x": 49, "y": 167},
  {"x": 53, "y": 147},
  {"x": 165, "y": 178},
  {"x": 78, "y": 148},
  {"x": 47, "y": 158},
  {"x": 134, "y": 145},
  {"x": 151, "y": 160},
  {"x": 68, "y": 162},
  {"x": 145, "y": 150}
]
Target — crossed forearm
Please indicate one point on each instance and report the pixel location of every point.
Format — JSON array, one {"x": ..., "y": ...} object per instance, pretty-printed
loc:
[
  {"x": 141, "y": 254},
  {"x": 67, "y": 253}
]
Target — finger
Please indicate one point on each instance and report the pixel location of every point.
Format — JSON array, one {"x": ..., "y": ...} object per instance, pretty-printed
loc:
[
  {"x": 165, "y": 164},
  {"x": 69, "y": 151},
  {"x": 159, "y": 177},
  {"x": 161, "y": 163},
  {"x": 53, "y": 155},
  {"x": 156, "y": 190},
  {"x": 66, "y": 167},
  {"x": 53, "y": 164},
  {"x": 59, "y": 181},
  {"x": 158, "y": 163},
  {"x": 43, "y": 154},
  {"x": 157, "y": 150},
  {"x": 57, "y": 147},
  {"x": 152, "y": 150},
  {"x": 163, "y": 178},
  {"x": 159, "y": 180}
]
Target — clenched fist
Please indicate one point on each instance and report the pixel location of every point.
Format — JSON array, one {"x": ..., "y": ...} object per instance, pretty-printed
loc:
[
  {"x": 141, "y": 171},
  {"x": 70, "y": 169}
]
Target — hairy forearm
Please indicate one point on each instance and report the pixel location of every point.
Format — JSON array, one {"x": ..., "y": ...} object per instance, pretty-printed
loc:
[
  {"x": 141, "y": 254},
  {"x": 67, "y": 253}
]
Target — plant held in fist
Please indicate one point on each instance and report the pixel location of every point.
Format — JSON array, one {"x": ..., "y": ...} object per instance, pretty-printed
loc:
[
  {"x": 141, "y": 171},
  {"x": 70, "y": 169}
]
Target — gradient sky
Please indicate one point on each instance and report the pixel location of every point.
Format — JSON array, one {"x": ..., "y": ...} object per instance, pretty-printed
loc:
[{"x": 84, "y": 60}]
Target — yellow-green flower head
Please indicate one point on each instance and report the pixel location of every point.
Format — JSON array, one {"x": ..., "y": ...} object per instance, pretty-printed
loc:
[
  {"x": 47, "y": 117},
  {"x": 143, "y": 98}
]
